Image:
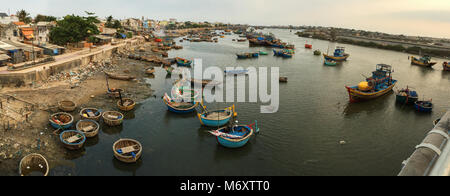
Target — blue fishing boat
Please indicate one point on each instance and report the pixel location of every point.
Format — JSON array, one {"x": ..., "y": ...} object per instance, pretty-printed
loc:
[
  {"x": 423, "y": 106},
  {"x": 183, "y": 62},
  {"x": 179, "y": 107},
  {"x": 378, "y": 85},
  {"x": 236, "y": 72},
  {"x": 329, "y": 62},
  {"x": 217, "y": 118},
  {"x": 406, "y": 96},
  {"x": 236, "y": 136},
  {"x": 339, "y": 55},
  {"x": 61, "y": 120}
]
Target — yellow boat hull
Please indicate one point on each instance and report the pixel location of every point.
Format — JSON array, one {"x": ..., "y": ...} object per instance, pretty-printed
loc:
[{"x": 356, "y": 95}]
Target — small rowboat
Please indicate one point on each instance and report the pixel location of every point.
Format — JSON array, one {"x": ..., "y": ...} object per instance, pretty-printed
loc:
[
  {"x": 236, "y": 72},
  {"x": 114, "y": 93},
  {"x": 61, "y": 120},
  {"x": 33, "y": 165},
  {"x": 330, "y": 62},
  {"x": 112, "y": 118},
  {"x": 120, "y": 76},
  {"x": 126, "y": 104},
  {"x": 234, "y": 137},
  {"x": 263, "y": 53},
  {"x": 179, "y": 107},
  {"x": 127, "y": 150},
  {"x": 242, "y": 40},
  {"x": 183, "y": 62},
  {"x": 308, "y": 46},
  {"x": 88, "y": 127},
  {"x": 67, "y": 106},
  {"x": 217, "y": 118},
  {"x": 423, "y": 106},
  {"x": 91, "y": 114},
  {"x": 283, "y": 79},
  {"x": 72, "y": 139},
  {"x": 406, "y": 96}
]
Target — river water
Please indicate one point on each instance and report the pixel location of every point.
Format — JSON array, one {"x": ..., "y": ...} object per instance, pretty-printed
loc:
[{"x": 302, "y": 138}]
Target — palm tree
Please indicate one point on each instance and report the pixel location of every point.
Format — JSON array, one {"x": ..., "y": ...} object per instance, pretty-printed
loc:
[{"x": 23, "y": 16}]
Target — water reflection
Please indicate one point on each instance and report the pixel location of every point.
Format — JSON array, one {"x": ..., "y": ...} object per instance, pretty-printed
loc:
[
  {"x": 74, "y": 154},
  {"x": 112, "y": 130},
  {"x": 226, "y": 154},
  {"x": 381, "y": 103},
  {"x": 92, "y": 141},
  {"x": 127, "y": 167}
]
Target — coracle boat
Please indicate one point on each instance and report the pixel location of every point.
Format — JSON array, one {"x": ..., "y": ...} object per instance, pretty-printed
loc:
[
  {"x": 424, "y": 61},
  {"x": 33, "y": 165},
  {"x": 61, "y": 120},
  {"x": 88, "y": 127},
  {"x": 127, "y": 150},
  {"x": 446, "y": 66},
  {"x": 217, "y": 118},
  {"x": 379, "y": 84},
  {"x": 114, "y": 92},
  {"x": 67, "y": 106},
  {"x": 183, "y": 62},
  {"x": 91, "y": 114},
  {"x": 308, "y": 46},
  {"x": 283, "y": 79},
  {"x": 120, "y": 76},
  {"x": 339, "y": 55},
  {"x": 126, "y": 104},
  {"x": 179, "y": 107},
  {"x": 112, "y": 118},
  {"x": 423, "y": 106},
  {"x": 236, "y": 136},
  {"x": 317, "y": 52},
  {"x": 72, "y": 139},
  {"x": 330, "y": 62},
  {"x": 406, "y": 96}
]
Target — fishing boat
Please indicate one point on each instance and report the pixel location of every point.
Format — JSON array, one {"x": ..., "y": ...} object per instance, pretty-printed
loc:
[
  {"x": 263, "y": 53},
  {"x": 61, "y": 120},
  {"x": 330, "y": 62},
  {"x": 406, "y": 96},
  {"x": 339, "y": 55},
  {"x": 446, "y": 66},
  {"x": 284, "y": 53},
  {"x": 33, "y": 165},
  {"x": 112, "y": 118},
  {"x": 176, "y": 106},
  {"x": 424, "y": 61},
  {"x": 317, "y": 52},
  {"x": 283, "y": 79},
  {"x": 236, "y": 72},
  {"x": 379, "y": 84},
  {"x": 236, "y": 136},
  {"x": 423, "y": 106},
  {"x": 183, "y": 62},
  {"x": 308, "y": 46},
  {"x": 126, "y": 104},
  {"x": 67, "y": 106},
  {"x": 88, "y": 127},
  {"x": 127, "y": 150},
  {"x": 91, "y": 114},
  {"x": 120, "y": 76},
  {"x": 216, "y": 118},
  {"x": 72, "y": 139}
]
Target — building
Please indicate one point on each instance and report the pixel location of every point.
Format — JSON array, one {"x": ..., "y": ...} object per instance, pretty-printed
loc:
[
  {"x": 20, "y": 52},
  {"x": 5, "y": 19},
  {"x": 42, "y": 32},
  {"x": 132, "y": 24},
  {"x": 4, "y": 59}
]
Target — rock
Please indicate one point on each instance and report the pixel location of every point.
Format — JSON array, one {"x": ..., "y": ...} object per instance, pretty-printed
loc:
[{"x": 92, "y": 96}]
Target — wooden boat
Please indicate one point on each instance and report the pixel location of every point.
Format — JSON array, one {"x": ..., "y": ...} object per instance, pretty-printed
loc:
[
  {"x": 234, "y": 137},
  {"x": 183, "y": 62},
  {"x": 127, "y": 150},
  {"x": 241, "y": 40},
  {"x": 33, "y": 165},
  {"x": 120, "y": 76},
  {"x": 217, "y": 118},
  {"x": 308, "y": 46},
  {"x": 88, "y": 127},
  {"x": 263, "y": 53},
  {"x": 179, "y": 107},
  {"x": 91, "y": 114},
  {"x": 150, "y": 71},
  {"x": 67, "y": 106},
  {"x": 72, "y": 139},
  {"x": 339, "y": 55},
  {"x": 379, "y": 84},
  {"x": 330, "y": 62},
  {"x": 236, "y": 72},
  {"x": 126, "y": 104},
  {"x": 244, "y": 56},
  {"x": 424, "y": 61},
  {"x": 112, "y": 118},
  {"x": 114, "y": 92},
  {"x": 423, "y": 106},
  {"x": 406, "y": 96},
  {"x": 317, "y": 52},
  {"x": 61, "y": 120},
  {"x": 283, "y": 79},
  {"x": 446, "y": 66}
]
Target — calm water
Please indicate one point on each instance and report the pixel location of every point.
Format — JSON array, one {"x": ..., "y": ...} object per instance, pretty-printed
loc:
[{"x": 301, "y": 139}]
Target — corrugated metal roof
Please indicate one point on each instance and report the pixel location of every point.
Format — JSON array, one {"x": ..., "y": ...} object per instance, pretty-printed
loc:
[{"x": 4, "y": 57}]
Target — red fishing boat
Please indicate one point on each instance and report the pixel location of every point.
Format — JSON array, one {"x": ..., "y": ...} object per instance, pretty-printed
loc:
[{"x": 308, "y": 46}]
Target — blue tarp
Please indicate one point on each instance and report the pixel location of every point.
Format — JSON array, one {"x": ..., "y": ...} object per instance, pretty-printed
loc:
[
  {"x": 260, "y": 38},
  {"x": 123, "y": 35}
]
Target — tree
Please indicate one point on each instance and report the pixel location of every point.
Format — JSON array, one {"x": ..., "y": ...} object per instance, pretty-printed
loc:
[
  {"x": 111, "y": 23},
  {"x": 44, "y": 18},
  {"x": 73, "y": 29},
  {"x": 24, "y": 16}
]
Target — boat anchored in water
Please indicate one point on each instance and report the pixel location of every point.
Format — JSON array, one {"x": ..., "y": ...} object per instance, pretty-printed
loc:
[
  {"x": 378, "y": 85},
  {"x": 216, "y": 118},
  {"x": 339, "y": 55},
  {"x": 235, "y": 136},
  {"x": 406, "y": 96},
  {"x": 424, "y": 61}
]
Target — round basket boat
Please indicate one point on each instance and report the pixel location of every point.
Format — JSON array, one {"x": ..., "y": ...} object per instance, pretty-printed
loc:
[
  {"x": 61, "y": 120},
  {"x": 88, "y": 127},
  {"x": 33, "y": 165},
  {"x": 113, "y": 118},
  {"x": 127, "y": 150},
  {"x": 114, "y": 93},
  {"x": 72, "y": 139},
  {"x": 67, "y": 106},
  {"x": 97, "y": 114},
  {"x": 129, "y": 104}
]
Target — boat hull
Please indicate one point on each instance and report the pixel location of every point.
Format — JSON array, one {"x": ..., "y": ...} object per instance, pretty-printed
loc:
[
  {"x": 405, "y": 99},
  {"x": 334, "y": 58},
  {"x": 235, "y": 143},
  {"x": 415, "y": 62},
  {"x": 357, "y": 96},
  {"x": 420, "y": 108},
  {"x": 180, "y": 111},
  {"x": 214, "y": 123}
]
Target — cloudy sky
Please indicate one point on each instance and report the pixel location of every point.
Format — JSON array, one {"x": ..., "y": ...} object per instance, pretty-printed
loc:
[{"x": 409, "y": 17}]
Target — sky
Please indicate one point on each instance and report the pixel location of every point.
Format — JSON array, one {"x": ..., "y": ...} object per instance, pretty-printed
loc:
[{"x": 408, "y": 17}]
